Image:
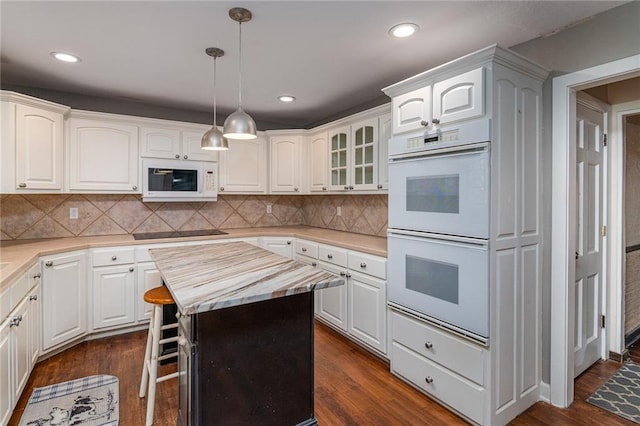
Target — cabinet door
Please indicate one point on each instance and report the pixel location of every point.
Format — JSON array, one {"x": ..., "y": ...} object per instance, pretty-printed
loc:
[
  {"x": 64, "y": 300},
  {"x": 6, "y": 372},
  {"x": 113, "y": 296},
  {"x": 103, "y": 156},
  {"x": 34, "y": 326},
  {"x": 148, "y": 278},
  {"x": 243, "y": 167},
  {"x": 339, "y": 157},
  {"x": 332, "y": 301},
  {"x": 285, "y": 163},
  {"x": 317, "y": 166},
  {"x": 364, "y": 155},
  {"x": 191, "y": 147},
  {"x": 157, "y": 142},
  {"x": 411, "y": 109},
  {"x": 20, "y": 347},
  {"x": 460, "y": 97},
  {"x": 367, "y": 310},
  {"x": 385, "y": 133},
  {"x": 38, "y": 148},
  {"x": 278, "y": 245}
]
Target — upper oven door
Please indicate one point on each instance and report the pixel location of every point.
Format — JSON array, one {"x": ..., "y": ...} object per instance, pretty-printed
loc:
[
  {"x": 446, "y": 280},
  {"x": 446, "y": 193}
]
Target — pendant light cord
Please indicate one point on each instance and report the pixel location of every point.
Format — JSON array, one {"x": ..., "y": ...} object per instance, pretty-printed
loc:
[
  {"x": 214, "y": 90},
  {"x": 240, "y": 70}
]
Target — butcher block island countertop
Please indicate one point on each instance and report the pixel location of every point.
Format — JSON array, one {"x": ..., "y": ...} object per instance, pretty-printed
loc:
[{"x": 214, "y": 276}]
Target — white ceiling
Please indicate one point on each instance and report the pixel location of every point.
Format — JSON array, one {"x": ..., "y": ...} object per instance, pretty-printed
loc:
[{"x": 333, "y": 56}]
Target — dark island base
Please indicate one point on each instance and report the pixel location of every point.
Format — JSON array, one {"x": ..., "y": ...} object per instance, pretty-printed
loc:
[{"x": 254, "y": 364}]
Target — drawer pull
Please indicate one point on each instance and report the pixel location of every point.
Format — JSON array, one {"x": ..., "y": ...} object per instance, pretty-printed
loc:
[
  {"x": 314, "y": 264},
  {"x": 342, "y": 274},
  {"x": 428, "y": 379},
  {"x": 131, "y": 269},
  {"x": 33, "y": 297},
  {"x": 329, "y": 256},
  {"x": 114, "y": 257},
  {"x": 22, "y": 185},
  {"x": 304, "y": 249},
  {"x": 288, "y": 243},
  {"x": 36, "y": 276},
  {"x": 428, "y": 345},
  {"x": 363, "y": 265},
  {"x": 48, "y": 263}
]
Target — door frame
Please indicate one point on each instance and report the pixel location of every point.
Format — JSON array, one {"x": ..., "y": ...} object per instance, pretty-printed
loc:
[{"x": 563, "y": 207}]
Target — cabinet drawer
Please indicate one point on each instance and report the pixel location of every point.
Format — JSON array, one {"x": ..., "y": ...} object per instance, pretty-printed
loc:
[
  {"x": 460, "y": 394},
  {"x": 368, "y": 264},
  {"x": 439, "y": 346},
  {"x": 333, "y": 255},
  {"x": 112, "y": 256},
  {"x": 306, "y": 248}
]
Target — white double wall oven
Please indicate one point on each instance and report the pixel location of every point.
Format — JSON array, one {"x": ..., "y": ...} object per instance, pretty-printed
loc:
[{"x": 439, "y": 206}]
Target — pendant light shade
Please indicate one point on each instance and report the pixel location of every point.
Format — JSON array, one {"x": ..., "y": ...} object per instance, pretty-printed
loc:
[
  {"x": 213, "y": 139},
  {"x": 239, "y": 125}
]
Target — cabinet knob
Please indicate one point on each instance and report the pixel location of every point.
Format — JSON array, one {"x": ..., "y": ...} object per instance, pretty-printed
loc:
[
  {"x": 348, "y": 275},
  {"x": 288, "y": 243},
  {"x": 346, "y": 187},
  {"x": 350, "y": 186},
  {"x": 33, "y": 297},
  {"x": 428, "y": 379},
  {"x": 48, "y": 263},
  {"x": 134, "y": 187},
  {"x": 22, "y": 185},
  {"x": 379, "y": 186},
  {"x": 329, "y": 256},
  {"x": 342, "y": 274},
  {"x": 177, "y": 156},
  {"x": 36, "y": 276},
  {"x": 296, "y": 189},
  {"x": 221, "y": 188},
  {"x": 186, "y": 157},
  {"x": 424, "y": 123},
  {"x": 314, "y": 264},
  {"x": 114, "y": 257},
  {"x": 14, "y": 322},
  {"x": 435, "y": 121},
  {"x": 324, "y": 188},
  {"x": 131, "y": 269},
  {"x": 304, "y": 249},
  {"x": 363, "y": 265},
  {"x": 428, "y": 345}
]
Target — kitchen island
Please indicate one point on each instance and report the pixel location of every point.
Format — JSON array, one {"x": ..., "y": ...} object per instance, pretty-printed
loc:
[{"x": 246, "y": 328}]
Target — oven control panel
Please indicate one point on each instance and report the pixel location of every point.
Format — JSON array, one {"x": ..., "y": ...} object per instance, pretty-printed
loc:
[{"x": 432, "y": 141}]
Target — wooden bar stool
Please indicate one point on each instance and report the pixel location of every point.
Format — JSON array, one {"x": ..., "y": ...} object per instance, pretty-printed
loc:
[{"x": 158, "y": 296}]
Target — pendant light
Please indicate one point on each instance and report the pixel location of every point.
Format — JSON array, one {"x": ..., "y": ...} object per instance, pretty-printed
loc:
[
  {"x": 213, "y": 139},
  {"x": 239, "y": 125}
]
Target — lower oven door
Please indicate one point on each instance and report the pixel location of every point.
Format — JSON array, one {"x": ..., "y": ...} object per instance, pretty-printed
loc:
[
  {"x": 445, "y": 193},
  {"x": 443, "y": 279}
]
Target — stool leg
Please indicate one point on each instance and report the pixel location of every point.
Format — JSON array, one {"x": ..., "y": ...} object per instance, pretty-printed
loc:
[
  {"x": 153, "y": 367},
  {"x": 144, "y": 380}
]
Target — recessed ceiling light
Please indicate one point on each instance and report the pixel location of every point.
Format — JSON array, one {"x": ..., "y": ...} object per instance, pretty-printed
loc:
[
  {"x": 403, "y": 30},
  {"x": 286, "y": 98},
  {"x": 65, "y": 57}
]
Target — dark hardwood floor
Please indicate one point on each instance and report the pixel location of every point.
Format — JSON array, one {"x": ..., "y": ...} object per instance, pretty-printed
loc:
[{"x": 352, "y": 386}]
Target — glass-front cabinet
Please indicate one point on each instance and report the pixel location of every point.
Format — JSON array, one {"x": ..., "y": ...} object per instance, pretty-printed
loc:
[
  {"x": 364, "y": 155},
  {"x": 339, "y": 154}
]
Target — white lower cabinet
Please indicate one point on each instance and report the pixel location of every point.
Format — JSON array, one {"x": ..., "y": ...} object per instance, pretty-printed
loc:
[
  {"x": 367, "y": 310},
  {"x": 280, "y": 245},
  {"x": 19, "y": 349},
  {"x": 445, "y": 366},
  {"x": 332, "y": 302},
  {"x": 114, "y": 295},
  {"x": 64, "y": 298}
]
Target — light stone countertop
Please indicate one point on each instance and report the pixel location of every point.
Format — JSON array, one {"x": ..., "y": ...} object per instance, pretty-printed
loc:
[
  {"x": 16, "y": 256},
  {"x": 221, "y": 275}
]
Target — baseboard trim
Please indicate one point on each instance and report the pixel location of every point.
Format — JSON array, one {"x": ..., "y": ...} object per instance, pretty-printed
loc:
[{"x": 545, "y": 392}]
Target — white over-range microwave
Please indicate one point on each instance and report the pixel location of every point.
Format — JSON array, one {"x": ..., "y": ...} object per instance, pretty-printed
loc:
[{"x": 177, "y": 180}]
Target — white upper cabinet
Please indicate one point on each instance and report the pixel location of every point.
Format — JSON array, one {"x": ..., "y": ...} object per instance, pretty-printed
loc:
[
  {"x": 459, "y": 98},
  {"x": 384, "y": 134},
  {"x": 364, "y": 155},
  {"x": 103, "y": 155},
  {"x": 317, "y": 162},
  {"x": 446, "y": 101},
  {"x": 339, "y": 158},
  {"x": 243, "y": 167},
  {"x": 32, "y": 135},
  {"x": 285, "y": 153},
  {"x": 411, "y": 110},
  {"x": 169, "y": 142}
]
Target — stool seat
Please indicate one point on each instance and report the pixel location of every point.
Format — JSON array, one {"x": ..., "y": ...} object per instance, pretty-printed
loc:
[{"x": 159, "y": 296}]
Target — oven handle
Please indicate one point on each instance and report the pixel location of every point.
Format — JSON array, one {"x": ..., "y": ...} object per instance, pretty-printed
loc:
[
  {"x": 454, "y": 240},
  {"x": 474, "y": 148}
]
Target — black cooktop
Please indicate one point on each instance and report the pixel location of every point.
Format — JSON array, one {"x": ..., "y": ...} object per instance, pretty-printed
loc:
[{"x": 176, "y": 234}]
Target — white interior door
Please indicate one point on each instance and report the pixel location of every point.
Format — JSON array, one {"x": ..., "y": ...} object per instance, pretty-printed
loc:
[{"x": 589, "y": 239}]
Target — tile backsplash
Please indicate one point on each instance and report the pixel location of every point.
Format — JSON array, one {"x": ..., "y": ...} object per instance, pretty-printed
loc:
[{"x": 47, "y": 216}]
